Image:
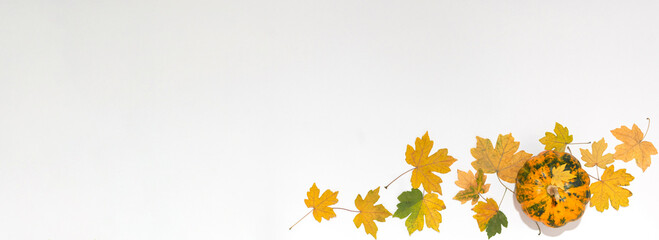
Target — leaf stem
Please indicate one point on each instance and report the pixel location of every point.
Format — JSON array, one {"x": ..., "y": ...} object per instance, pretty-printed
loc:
[
  {"x": 539, "y": 231},
  {"x": 504, "y": 185},
  {"x": 298, "y": 221},
  {"x": 392, "y": 181},
  {"x": 597, "y": 170},
  {"x": 598, "y": 179},
  {"x": 579, "y": 143},
  {"x": 345, "y": 209},
  {"x": 646, "y": 130},
  {"x": 504, "y": 195},
  {"x": 482, "y": 197}
]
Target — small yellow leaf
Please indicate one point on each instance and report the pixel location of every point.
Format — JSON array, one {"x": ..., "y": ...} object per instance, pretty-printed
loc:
[
  {"x": 484, "y": 212},
  {"x": 473, "y": 186},
  {"x": 502, "y": 159},
  {"x": 597, "y": 158},
  {"x": 560, "y": 176},
  {"x": 369, "y": 212},
  {"x": 425, "y": 165},
  {"x": 321, "y": 204},
  {"x": 633, "y": 146},
  {"x": 609, "y": 189},
  {"x": 557, "y": 141}
]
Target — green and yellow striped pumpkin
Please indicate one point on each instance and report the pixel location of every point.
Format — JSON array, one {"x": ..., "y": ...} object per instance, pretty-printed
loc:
[{"x": 552, "y": 204}]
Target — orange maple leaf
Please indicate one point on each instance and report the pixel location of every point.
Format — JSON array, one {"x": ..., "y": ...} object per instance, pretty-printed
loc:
[
  {"x": 633, "y": 146},
  {"x": 473, "y": 186},
  {"x": 425, "y": 165}
]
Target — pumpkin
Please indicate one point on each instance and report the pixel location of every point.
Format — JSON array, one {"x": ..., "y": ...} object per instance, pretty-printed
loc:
[{"x": 553, "y": 203}]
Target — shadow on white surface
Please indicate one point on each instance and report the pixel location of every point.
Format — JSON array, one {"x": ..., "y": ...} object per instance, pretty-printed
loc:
[{"x": 548, "y": 231}]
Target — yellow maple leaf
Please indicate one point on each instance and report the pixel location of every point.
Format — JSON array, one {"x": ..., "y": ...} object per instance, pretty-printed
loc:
[
  {"x": 484, "y": 212},
  {"x": 369, "y": 212},
  {"x": 633, "y": 146},
  {"x": 608, "y": 189},
  {"x": 425, "y": 165},
  {"x": 473, "y": 184},
  {"x": 560, "y": 176},
  {"x": 557, "y": 141},
  {"x": 321, "y": 204},
  {"x": 597, "y": 157},
  {"x": 502, "y": 159}
]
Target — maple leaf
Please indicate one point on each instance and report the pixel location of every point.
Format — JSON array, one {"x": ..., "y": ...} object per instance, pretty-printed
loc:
[
  {"x": 494, "y": 225},
  {"x": 484, "y": 212},
  {"x": 503, "y": 160},
  {"x": 597, "y": 157},
  {"x": 609, "y": 189},
  {"x": 560, "y": 176},
  {"x": 369, "y": 212},
  {"x": 321, "y": 204},
  {"x": 557, "y": 141},
  {"x": 489, "y": 217},
  {"x": 633, "y": 146},
  {"x": 425, "y": 165},
  {"x": 415, "y": 206},
  {"x": 473, "y": 185}
]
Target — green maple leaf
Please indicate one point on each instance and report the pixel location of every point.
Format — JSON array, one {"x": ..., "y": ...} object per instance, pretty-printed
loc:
[
  {"x": 495, "y": 223},
  {"x": 416, "y": 207}
]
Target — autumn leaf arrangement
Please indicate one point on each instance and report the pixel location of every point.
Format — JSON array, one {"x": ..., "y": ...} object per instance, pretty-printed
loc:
[{"x": 552, "y": 187}]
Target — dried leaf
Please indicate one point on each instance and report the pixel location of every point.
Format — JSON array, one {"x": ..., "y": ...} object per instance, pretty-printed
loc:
[
  {"x": 633, "y": 146},
  {"x": 560, "y": 176},
  {"x": 597, "y": 157},
  {"x": 557, "y": 141},
  {"x": 472, "y": 184},
  {"x": 494, "y": 225},
  {"x": 415, "y": 206},
  {"x": 489, "y": 217},
  {"x": 321, "y": 204},
  {"x": 609, "y": 189},
  {"x": 369, "y": 212},
  {"x": 425, "y": 165},
  {"x": 503, "y": 160}
]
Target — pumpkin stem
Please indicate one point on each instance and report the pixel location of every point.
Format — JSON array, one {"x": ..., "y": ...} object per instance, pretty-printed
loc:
[{"x": 553, "y": 191}]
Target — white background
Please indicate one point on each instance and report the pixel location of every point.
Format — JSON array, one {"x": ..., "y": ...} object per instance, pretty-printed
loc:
[{"x": 211, "y": 119}]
